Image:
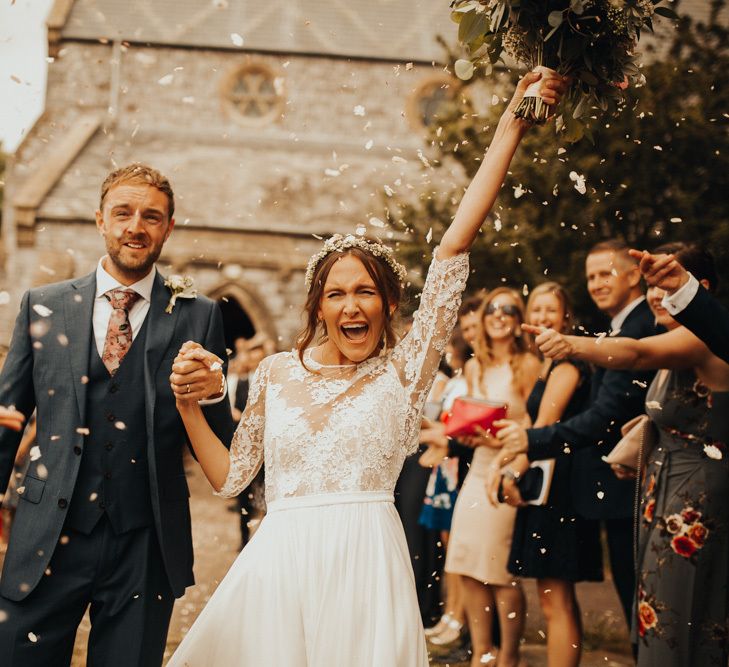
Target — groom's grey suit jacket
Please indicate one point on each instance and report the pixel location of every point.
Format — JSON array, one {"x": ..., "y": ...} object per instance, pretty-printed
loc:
[{"x": 47, "y": 369}]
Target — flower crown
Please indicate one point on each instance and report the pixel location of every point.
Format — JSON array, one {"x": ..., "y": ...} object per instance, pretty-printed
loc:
[{"x": 339, "y": 243}]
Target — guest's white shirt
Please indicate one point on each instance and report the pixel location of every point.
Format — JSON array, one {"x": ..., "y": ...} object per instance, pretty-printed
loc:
[
  {"x": 232, "y": 382},
  {"x": 617, "y": 322},
  {"x": 682, "y": 297},
  {"x": 137, "y": 313}
]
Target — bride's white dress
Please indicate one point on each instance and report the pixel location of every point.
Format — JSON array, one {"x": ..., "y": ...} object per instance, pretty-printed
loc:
[{"x": 326, "y": 581}]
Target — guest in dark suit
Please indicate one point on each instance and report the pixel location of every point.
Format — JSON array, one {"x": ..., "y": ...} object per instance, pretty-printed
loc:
[
  {"x": 687, "y": 300},
  {"x": 103, "y": 517},
  {"x": 613, "y": 281}
]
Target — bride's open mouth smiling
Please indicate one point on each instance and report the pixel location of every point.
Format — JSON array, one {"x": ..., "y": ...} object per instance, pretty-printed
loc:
[{"x": 355, "y": 331}]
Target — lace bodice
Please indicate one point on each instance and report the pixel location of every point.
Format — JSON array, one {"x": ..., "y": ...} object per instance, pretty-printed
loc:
[{"x": 334, "y": 429}]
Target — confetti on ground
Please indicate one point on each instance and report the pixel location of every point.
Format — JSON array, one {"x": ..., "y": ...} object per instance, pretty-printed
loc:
[{"x": 236, "y": 39}]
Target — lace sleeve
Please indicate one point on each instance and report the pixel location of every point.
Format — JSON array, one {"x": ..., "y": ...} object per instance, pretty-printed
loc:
[
  {"x": 417, "y": 356},
  {"x": 246, "y": 450}
]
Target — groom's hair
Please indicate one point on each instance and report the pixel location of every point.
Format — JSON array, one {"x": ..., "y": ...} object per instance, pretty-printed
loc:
[{"x": 140, "y": 174}]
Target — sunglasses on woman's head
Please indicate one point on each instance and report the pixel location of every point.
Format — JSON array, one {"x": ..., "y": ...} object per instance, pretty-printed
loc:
[{"x": 508, "y": 309}]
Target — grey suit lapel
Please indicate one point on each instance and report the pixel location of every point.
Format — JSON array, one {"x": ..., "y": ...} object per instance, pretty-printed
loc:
[
  {"x": 160, "y": 325},
  {"x": 160, "y": 328},
  {"x": 78, "y": 310}
]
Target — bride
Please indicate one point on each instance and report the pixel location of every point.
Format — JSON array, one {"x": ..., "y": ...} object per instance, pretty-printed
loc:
[{"x": 327, "y": 580}]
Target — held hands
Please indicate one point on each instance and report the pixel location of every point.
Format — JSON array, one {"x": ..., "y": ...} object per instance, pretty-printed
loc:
[
  {"x": 551, "y": 343},
  {"x": 661, "y": 271},
  {"x": 196, "y": 374},
  {"x": 11, "y": 418}
]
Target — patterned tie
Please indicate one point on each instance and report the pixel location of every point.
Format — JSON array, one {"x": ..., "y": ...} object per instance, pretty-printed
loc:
[{"x": 119, "y": 334}]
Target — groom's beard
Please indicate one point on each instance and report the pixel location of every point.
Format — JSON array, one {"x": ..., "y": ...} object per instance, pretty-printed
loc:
[{"x": 130, "y": 262}]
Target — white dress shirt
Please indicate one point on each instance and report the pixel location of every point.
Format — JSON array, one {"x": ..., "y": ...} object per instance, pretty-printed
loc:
[
  {"x": 682, "y": 297},
  {"x": 617, "y": 322},
  {"x": 137, "y": 313}
]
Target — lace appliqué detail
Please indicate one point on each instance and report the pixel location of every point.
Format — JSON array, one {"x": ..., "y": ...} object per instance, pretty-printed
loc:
[{"x": 345, "y": 429}]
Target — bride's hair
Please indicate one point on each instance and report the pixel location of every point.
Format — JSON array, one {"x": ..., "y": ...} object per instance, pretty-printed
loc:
[{"x": 387, "y": 284}]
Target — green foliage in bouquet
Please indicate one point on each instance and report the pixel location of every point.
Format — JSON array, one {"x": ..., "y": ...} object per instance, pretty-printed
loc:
[
  {"x": 658, "y": 172},
  {"x": 591, "y": 41}
]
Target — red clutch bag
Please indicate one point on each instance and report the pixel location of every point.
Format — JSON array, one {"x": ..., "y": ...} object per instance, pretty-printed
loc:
[{"x": 469, "y": 413}]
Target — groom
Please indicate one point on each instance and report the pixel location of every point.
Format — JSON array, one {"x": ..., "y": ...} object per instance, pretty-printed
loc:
[{"x": 103, "y": 517}]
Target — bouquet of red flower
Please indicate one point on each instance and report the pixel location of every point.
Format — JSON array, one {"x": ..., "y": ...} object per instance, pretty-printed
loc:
[{"x": 591, "y": 41}]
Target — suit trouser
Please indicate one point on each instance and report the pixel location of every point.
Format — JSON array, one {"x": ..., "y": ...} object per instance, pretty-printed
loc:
[
  {"x": 620, "y": 549},
  {"x": 426, "y": 554},
  {"x": 121, "y": 577}
]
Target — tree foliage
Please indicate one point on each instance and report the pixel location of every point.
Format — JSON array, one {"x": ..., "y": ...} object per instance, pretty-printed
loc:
[{"x": 657, "y": 172}]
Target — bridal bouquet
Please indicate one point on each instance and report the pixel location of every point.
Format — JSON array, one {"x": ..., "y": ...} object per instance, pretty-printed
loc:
[{"x": 590, "y": 41}]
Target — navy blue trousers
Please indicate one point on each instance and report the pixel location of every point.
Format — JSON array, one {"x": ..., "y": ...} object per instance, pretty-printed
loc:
[{"x": 123, "y": 581}]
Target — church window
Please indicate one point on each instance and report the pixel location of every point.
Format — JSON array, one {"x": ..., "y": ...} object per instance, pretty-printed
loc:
[
  {"x": 253, "y": 94},
  {"x": 430, "y": 99}
]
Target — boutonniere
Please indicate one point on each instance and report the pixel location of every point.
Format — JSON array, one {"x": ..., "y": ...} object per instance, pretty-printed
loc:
[{"x": 182, "y": 287}]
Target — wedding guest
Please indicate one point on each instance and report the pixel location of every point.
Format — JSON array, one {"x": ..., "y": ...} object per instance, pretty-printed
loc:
[
  {"x": 504, "y": 370},
  {"x": 687, "y": 300},
  {"x": 552, "y": 543},
  {"x": 616, "y": 396},
  {"x": 683, "y": 554},
  {"x": 15, "y": 486},
  {"x": 468, "y": 318},
  {"x": 237, "y": 379},
  {"x": 442, "y": 490}
]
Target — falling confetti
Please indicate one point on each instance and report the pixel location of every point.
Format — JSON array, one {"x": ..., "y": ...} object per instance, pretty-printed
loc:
[
  {"x": 166, "y": 80},
  {"x": 35, "y": 453},
  {"x": 713, "y": 452},
  {"x": 359, "y": 110},
  {"x": 43, "y": 311},
  {"x": 579, "y": 181},
  {"x": 236, "y": 39}
]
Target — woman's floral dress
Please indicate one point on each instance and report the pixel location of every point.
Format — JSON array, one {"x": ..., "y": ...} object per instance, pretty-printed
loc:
[{"x": 683, "y": 582}]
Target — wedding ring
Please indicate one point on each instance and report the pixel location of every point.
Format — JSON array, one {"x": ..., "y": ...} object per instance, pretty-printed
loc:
[{"x": 188, "y": 388}]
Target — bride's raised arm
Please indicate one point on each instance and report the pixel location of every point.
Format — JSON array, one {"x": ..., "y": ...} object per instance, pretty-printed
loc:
[
  {"x": 481, "y": 194},
  {"x": 418, "y": 354}
]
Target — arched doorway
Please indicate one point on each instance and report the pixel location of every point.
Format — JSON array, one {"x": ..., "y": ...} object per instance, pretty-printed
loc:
[
  {"x": 236, "y": 323},
  {"x": 244, "y": 314}
]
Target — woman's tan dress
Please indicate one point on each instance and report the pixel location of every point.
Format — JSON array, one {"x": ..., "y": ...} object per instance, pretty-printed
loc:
[{"x": 481, "y": 533}]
